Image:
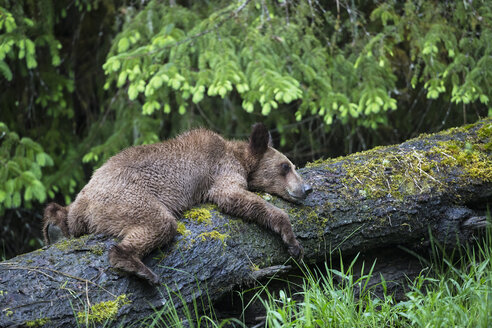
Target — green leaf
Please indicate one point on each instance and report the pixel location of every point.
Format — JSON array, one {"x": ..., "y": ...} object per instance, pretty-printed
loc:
[
  {"x": 8, "y": 201},
  {"x": 115, "y": 65},
  {"x": 31, "y": 61},
  {"x": 132, "y": 92},
  {"x": 149, "y": 107},
  {"x": 41, "y": 159},
  {"x": 48, "y": 159},
  {"x": 121, "y": 79},
  {"x": 484, "y": 99},
  {"x": 222, "y": 91},
  {"x": 36, "y": 171},
  {"x": 30, "y": 47},
  {"x": 197, "y": 97},
  {"x": 28, "y": 193},
  {"x": 248, "y": 107},
  {"x": 265, "y": 110},
  {"x": 149, "y": 90},
  {"x": 123, "y": 45},
  {"x": 16, "y": 199},
  {"x": 87, "y": 157},
  {"x": 287, "y": 98},
  {"x": 6, "y": 72},
  {"x": 156, "y": 82},
  {"x": 10, "y": 25},
  {"x": 56, "y": 61},
  {"x": 10, "y": 186},
  {"x": 22, "y": 49},
  {"x": 39, "y": 191},
  {"x": 28, "y": 177},
  {"x": 175, "y": 83}
]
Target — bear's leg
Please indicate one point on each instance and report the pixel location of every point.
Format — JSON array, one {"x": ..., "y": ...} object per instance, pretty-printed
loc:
[
  {"x": 139, "y": 241},
  {"x": 124, "y": 258},
  {"x": 234, "y": 200}
]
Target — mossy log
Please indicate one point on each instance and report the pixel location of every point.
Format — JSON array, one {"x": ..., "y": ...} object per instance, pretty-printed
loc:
[{"x": 382, "y": 198}]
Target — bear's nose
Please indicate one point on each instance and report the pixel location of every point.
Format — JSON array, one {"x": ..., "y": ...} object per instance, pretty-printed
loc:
[{"x": 307, "y": 189}]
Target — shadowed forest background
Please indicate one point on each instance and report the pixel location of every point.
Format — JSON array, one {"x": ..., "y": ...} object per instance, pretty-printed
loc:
[{"x": 82, "y": 79}]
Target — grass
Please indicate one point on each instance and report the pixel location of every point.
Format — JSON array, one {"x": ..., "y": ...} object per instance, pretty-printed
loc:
[
  {"x": 200, "y": 314},
  {"x": 328, "y": 299},
  {"x": 460, "y": 294},
  {"x": 455, "y": 293}
]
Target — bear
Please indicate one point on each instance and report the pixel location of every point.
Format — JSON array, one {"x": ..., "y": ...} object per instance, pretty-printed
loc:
[{"x": 138, "y": 193}]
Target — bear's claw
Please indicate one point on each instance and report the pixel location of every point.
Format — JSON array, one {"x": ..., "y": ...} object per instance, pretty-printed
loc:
[{"x": 296, "y": 251}]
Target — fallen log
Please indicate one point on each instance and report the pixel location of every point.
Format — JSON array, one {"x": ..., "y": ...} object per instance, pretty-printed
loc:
[{"x": 382, "y": 198}]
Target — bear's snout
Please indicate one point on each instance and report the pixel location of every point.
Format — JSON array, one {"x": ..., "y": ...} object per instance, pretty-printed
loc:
[
  {"x": 307, "y": 189},
  {"x": 301, "y": 192}
]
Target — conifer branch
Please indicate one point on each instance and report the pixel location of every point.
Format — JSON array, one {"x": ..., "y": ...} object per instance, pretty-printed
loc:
[{"x": 232, "y": 14}]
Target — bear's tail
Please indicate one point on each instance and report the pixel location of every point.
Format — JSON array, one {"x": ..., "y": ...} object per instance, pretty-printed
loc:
[{"x": 55, "y": 214}]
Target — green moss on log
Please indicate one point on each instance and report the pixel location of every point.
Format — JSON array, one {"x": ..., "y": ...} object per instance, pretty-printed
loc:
[
  {"x": 182, "y": 229},
  {"x": 98, "y": 249},
  {"x": 475, "y": 163},
  {"x": 215, "y": 235},
  {"x": 200, "y": 214},
  {"x": 308, "y": 218},
  {"x": 394, "y": 174},
  {"x": 37, "y": 323},
  {"x": 72, "y": 243},
  {"x": 103, "y": 311},
  {"x": 399, "y": 172}
]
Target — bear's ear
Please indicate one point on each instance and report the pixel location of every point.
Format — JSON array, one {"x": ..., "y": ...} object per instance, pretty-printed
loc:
[{"x": 260, "y": 139}]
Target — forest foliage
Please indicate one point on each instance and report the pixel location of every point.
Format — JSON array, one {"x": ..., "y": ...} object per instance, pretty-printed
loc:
[{"x": 82, "y": 79}]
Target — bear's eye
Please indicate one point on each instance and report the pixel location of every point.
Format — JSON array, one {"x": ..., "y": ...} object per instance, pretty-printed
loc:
[{"x": 285, "y": 168}]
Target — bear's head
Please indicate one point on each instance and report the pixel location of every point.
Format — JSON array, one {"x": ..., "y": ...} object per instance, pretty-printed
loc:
[{"x": 274, "y": 173}]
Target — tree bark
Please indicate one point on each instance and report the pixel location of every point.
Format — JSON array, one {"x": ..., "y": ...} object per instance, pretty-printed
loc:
[{"x": 436, "y": 184}]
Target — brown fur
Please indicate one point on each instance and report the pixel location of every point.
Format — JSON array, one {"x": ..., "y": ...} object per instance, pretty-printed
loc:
[{"x": 137, "y": 194}]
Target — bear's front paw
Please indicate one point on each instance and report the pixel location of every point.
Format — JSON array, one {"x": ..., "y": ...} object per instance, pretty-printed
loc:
[{"x": 296, "y": 251}]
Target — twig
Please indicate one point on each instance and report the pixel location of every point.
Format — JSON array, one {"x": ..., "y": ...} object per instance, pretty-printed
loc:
[
  {"x": 476, "y": 222},
  {"x": 270, "y": 271},
  {"x": 358, "y": 180},
  {"x": 261, "y": 324},
  {"x": 87, "y": 295}
]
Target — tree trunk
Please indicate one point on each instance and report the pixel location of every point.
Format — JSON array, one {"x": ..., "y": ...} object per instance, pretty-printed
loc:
[{"x": 382, "y": 198}]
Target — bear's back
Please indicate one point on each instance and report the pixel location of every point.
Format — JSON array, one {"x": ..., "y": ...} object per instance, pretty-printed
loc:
[{"x": 177, "y": 172}]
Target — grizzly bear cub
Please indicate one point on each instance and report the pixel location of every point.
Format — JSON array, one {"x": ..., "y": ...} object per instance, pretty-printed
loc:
[{"x": 137, "y": 194}]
